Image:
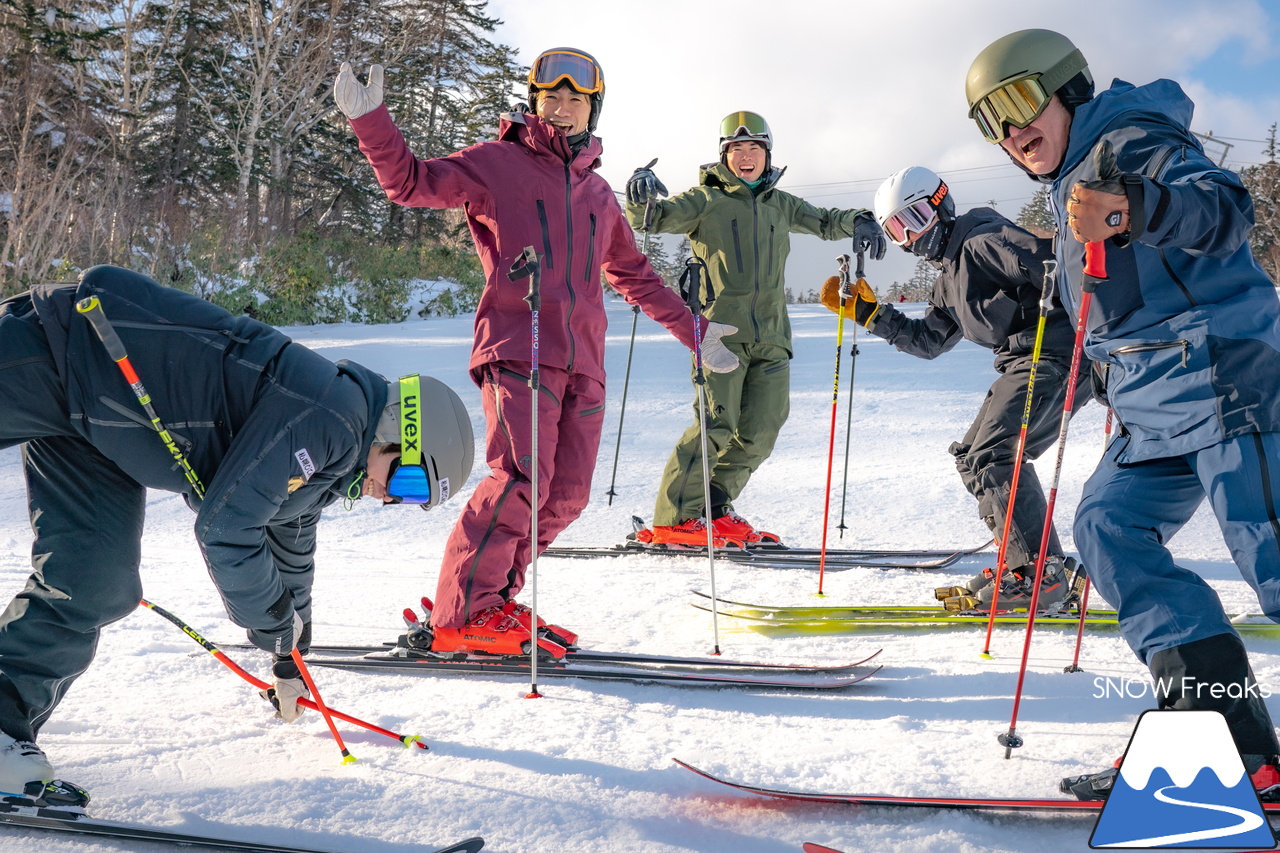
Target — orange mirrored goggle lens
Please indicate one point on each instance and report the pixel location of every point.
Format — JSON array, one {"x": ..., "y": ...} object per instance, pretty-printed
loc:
[
  {"x": 1018, "y": 103},
  {"x": 579, "y": 71}
]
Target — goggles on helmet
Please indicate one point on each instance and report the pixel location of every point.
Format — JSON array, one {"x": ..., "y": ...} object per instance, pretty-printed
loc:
[
  {"x": 409, "y": 481},
  {"x": 1016, "y": 103},
  {"x": 744, "y": 126},
  {"x": 566, "y": 66},
  {"x": 915, "y": 218}
]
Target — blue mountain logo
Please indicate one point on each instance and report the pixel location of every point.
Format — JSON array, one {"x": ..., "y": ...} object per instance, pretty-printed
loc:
[{"x": 1182, "y": 784}]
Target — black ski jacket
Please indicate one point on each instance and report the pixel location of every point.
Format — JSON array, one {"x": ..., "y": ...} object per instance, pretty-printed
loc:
[
  {"x": 274, "y": 431},
  {"x": 988, "y": 292}
]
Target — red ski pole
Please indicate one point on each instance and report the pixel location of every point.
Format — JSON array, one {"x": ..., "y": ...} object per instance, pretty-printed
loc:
[
  {"x": 1095, "y": 272},
  {"x": 1084, "y": 592},
  {"x": 843, "y": 261},
  {"x": 407, "y": 740}
]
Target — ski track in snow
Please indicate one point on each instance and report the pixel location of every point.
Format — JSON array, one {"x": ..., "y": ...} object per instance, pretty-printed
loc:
[{"x": 159, "y": 732}]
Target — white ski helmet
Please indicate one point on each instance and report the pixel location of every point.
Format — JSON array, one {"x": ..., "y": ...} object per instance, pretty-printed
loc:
[{"x": 910, "y": 201}]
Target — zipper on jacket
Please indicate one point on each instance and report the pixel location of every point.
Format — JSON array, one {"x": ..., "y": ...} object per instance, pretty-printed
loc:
[
  {"x": 591, "y": 252},
  {"x": 755, "y": 248},
  {"x": 1134, "y": 348},
  {"x": 737, "y": 245},
  {"x": 547, "y": 263},
  {"x": 568, "y": 262}
]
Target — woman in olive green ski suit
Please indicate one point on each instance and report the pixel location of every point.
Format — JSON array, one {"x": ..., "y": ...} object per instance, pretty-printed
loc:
[{"x": 739, "y": 224}]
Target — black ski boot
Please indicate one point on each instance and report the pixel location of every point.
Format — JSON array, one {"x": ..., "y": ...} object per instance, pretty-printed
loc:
[{"x": 1091, "y": 786}]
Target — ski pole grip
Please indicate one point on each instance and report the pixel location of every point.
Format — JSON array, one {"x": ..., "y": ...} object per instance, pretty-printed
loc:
[
  {"x": 91, "y": 308},
  {"x": 1095, "y": 265},
  {"x": 861, "y": 270},
  {"x": 693, "y": 294}
]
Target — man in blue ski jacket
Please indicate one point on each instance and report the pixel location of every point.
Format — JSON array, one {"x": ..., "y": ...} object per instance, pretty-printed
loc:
[
  {"x": 1187, "y": 333},
  {"x": 272, "y": 433}
]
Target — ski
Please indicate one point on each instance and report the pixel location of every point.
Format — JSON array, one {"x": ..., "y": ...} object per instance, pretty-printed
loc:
[
  {"x": 992, "y": 804},
  {"x": 816, "y": 619},
  {"x": 669, "y": 661},
  {"x": 57, "y": 820},
  {"x": 780, "y": 557},
  {"x": 587, "y": 655},
  {"x": 810, "y": 847},
  {"x": 409, "y": 662}
]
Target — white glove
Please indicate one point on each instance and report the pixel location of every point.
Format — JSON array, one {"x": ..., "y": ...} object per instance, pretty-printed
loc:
[
  {"x": 287, "y": 690},
  {"x": 353, "y": 99},
  {"x": 717, "y": 357}
]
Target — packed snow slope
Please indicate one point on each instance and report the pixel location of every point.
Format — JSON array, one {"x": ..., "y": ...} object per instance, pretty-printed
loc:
[{"x": 159, "y": 732}]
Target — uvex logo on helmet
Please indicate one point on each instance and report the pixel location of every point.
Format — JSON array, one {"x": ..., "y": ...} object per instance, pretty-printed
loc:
[{"x": 939, "y": 195}]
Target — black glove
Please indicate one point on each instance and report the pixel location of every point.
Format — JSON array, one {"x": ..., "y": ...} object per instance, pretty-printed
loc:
[
  {"x": 644, "y": 185},
  {"x": 868, "y": 236}
]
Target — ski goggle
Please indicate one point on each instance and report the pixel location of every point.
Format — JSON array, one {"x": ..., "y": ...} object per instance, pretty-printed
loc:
[
  {"x": 409, "y": 481},
  {"x": 566, "y": 66},
  {"x": 744, "y": 126},
  {"x": 1016, "y": 103},
  {"x": 914, "y": 217}
]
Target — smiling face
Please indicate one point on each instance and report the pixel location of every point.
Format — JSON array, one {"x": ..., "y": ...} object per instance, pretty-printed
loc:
[
  {"x": 746, "y": 159},
  {"x": 1041, "y": 145},
  {"x": 566, "y": 110}
]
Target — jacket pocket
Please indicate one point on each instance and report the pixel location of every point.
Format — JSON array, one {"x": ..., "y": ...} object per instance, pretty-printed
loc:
[
  {"x": 1161, "y": 389},
  {"x": 591, "y": 251}
]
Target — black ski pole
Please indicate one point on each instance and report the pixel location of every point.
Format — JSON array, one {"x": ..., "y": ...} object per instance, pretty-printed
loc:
[
  {"x": 1095, "y": 272},
  {"x": 848, "y": 415},
  {"x": 693, "y": 298},
  {"x": 626, "y": 381},
  {"x": 527, "y": 265}
]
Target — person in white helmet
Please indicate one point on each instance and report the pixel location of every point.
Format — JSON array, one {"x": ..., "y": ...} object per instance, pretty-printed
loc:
[{"x": 988, "y": 292}]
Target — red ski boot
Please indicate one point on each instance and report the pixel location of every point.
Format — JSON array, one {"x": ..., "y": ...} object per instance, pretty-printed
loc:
[
  {"x": 491, "y": 631},
  {"x": 735, "y": 528},
  {"x": 692, "y": 531},
  {"x": 521, "y": 613}
]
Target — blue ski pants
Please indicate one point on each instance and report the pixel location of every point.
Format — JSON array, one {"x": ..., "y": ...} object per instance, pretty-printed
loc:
[{"x": 1129, "y": 512}]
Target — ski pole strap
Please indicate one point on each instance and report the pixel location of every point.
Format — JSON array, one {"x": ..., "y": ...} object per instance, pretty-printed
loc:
[
  {"x": 526, "y": 265},
  {"x": 91, "y": 308},
  {"x": 691, "y": 286}
]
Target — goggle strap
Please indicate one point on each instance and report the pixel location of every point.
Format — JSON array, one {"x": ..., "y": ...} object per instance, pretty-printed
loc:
[{"x": 410, "y": 420}]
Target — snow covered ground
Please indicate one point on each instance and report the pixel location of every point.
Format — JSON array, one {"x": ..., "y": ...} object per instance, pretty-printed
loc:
[{"x": 159, "y": 732}]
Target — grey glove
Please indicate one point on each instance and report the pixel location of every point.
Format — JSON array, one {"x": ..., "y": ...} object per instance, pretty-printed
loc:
[
  {"x": 354, "y": 99},
  {"x": 644, "y": 184},
  {"x": 716, "y": 357},
  {"x": 289, "y": 688},
  {"x": 868, "y": 236}
]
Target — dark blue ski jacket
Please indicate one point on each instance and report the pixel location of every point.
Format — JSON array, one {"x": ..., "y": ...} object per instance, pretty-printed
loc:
[
  {"x": 1188, "y": 325},
  {"x": 274, "y": 431}
]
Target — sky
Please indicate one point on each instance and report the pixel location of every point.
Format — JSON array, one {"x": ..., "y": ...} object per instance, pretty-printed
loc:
[{"x": 856, "y": 90}]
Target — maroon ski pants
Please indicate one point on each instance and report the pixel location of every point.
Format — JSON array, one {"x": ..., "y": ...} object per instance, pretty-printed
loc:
[{"x": 488, "y": 550}]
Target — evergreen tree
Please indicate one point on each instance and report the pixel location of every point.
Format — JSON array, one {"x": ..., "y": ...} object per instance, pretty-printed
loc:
[
  {"x": 1035, "y": 216},
  {"x": 1263, "y": 182}
]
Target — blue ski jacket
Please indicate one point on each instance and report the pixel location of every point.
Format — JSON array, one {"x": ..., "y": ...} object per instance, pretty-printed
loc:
[
  {"x": 1188, "y": 324},
  {"x": 274, "y": 431}
]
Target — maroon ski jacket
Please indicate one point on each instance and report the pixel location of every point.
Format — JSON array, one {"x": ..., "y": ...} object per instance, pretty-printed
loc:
[{"x": 527, "y": 189}]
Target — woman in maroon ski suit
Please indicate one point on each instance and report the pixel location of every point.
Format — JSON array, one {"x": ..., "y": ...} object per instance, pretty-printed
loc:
[{"x": 534, "y": 186}]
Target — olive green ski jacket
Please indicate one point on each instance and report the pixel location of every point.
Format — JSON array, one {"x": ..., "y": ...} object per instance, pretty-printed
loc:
[{"x": 744, "y": 239}]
